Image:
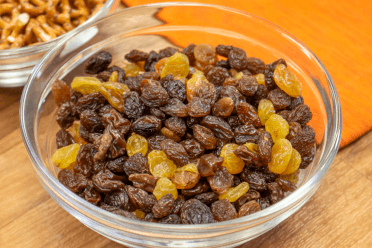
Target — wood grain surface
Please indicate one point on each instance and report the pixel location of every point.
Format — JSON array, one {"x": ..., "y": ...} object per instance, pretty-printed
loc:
[{"x": 338, "y": 215}]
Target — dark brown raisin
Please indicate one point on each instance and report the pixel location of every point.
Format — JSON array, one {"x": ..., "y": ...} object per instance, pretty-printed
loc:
[
  {"x": 249, "y": 208},
  {"x": 205, "y": 137},
  {"x": 234, "y": 121},
  {"x": 294, "y": 129},
  {"x": 176, "y": 89},
  {"x": 133, "y": 83},
  {"x": 146, "y": 125},
  {"x": 136, "y": 56},
  {"x": 158, "y": 113},
  {"x": 116, "y": 165},
  {"x": 91, "y": 121},
  {"x": 247, "y": 85},
  {"x": 255, "y": 179},
  {"x": 170, "y": 219},
  {"x": 264, "y": 202},
  {"x": 236, "y": 181},
  {"x": 189, "y": 52},
  {"x": 245, "y": 134},
  {"x": 264, "y": 144},
  {"x": 223, "y": 50},
  {"x": 105, "y": 181},
  {"x": 98, "y": 62},
  {"x": 65, "y": 115},
  {"x": 150, "y": 218},
  {"x": 250, "y": 196},
  {"x": 209, "y": 164},
  {"x": 168, "y": 52},
  {"x": 178, "y": 204},
  {"x": 301, "y": 114},
  {"x": 91, "y": 194},
  {"x": 201, "y": 187},
  {"x": 248, "y": 114},
  {"x": 175, "y": 152},
  {"x": 70, "y": 181},
  {"x": 217, "y": 75},
  {"x": 286, "y": 114},
  {"x": 177, "y": 125},
  {"x": 193, "y": 148},
  {"x": 175, "y": 107},
  {"x": 154, "y": 96},
  {"x": 219, "y": 127},
  {"x": 269, "y": 73},
  {"x": 93, "y": 101},
  {"x": 133, "y": 105},
  {"x": 234, "y": 94},
  {"x": 223, "y": 107},
  {"x": 296, "y": 102},
  {"x": 84, "y": 160},
  {"x": 154, "y": 141},
  {"x": 276, "y": 192},
  {"x": 255, "y": 65},
  {"x": 237, "y": 59},
  {"x": 144, "y": 181},
  {"x": 196, "y": 212},
  {"x": 206, "y": 91},
  {"x": 141, "y": 199},
  {"x": 198, "y": 107},
  {"x": 151, "y": 61},
  {"x": 136, "y": 164},
  {"x": 286, "y": 185},
  {"x": 221, "y": 181},
  {"x": 223, "y": 210},
  {"x": 261, "y": 93},
  {"x": 223, "y": 63},
  {"x": 191, "y": 121},
  {"x": 119, "y": 199},
  {"x": 64, "y": 138},
  {"x": 164, "y": 206},
  {"x": 207, "y": 198},
  {"x": 170, "y": 134},
  {"x": 279, "y": 99},
  {"x": 248, "y": 156},
  {"x": 75, "y": 96}
]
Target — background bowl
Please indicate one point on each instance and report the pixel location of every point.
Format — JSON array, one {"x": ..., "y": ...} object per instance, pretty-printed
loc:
[
  {"x": 16, "y": 64},
  {"x": 152, "y": 27}
]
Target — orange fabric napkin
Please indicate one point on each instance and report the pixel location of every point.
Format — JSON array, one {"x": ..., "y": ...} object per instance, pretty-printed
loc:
[{"x": 334, "y": 34}]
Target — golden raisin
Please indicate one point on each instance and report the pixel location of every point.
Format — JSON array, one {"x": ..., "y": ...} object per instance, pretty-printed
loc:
[
  {"x": 291, "y": 177},
  {"x": 139, "y": 214},
  {"x": 177, "y": 65},
  {"x": 186, "y": 177},
  {"x": 61, "y": 92},
  {"x": 165, "y": 186},
  {"x": 260, "y": 78},
  {"x": 193, "y": 83},
  {"x": 114, "y": 76},
  {"x": 74, "y": 130},
  {"x": 252, "y": 147},
  {"x": 238, "y": 75},
  {"x": 287, "y": 81},
  {"x": 66, "y": 156},
  {"x": 265, "y": 110},
  {"x": 160, "y": 165},
  {"x": 131, "y": 70},
  {"x": 232, "y": 163},
  {"x": 86, "y": 85},
  {"x": 281, "y": 153},
  {"x": 136, "y": 144},
  {"x": 293, "y": 164},
  {"x": 160, "y": 65},
  {"x": 234, "y": 193},
  {"x": 205, "y": 54},
  {"x": 114, "y": 92},
  {"x": 277, "y": 126}
]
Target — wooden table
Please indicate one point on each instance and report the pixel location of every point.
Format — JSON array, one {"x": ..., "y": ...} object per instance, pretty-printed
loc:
[{"x": 338, "y": 215}]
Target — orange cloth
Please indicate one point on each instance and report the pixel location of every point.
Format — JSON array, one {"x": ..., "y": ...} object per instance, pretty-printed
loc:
[{"x": 337, "y": 34}]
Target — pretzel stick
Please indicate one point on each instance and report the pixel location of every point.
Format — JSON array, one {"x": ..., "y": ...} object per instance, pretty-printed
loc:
[
  {"x": 22, "y": 20},
  {"x": 8, "y": 29},
  {"x": 3, "y": 24},
  {"x": 51, "y": 9},
  {"x": 56, "y": 27},
  {"x": 48, "y": 29},
  {"x": 6, "y": 8},
  {"x": 29, "y": 34},
  {"x": 39, "y": 32},
  {"x": 19, "y": 41},
  {"x": 4, "y": 45},
  {"x": 41, "y": 4},
  {"x": 30, "y": 9}
]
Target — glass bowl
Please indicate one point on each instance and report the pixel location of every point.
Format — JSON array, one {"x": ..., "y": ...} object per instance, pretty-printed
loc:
[
  {"x": 153, "y": 27},
  {"x": 16, "y": 64}
]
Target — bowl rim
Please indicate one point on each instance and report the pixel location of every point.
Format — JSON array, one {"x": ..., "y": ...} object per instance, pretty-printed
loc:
[
  {"x": 329, "y": 154},
  {"x": 29, "y": 50}
]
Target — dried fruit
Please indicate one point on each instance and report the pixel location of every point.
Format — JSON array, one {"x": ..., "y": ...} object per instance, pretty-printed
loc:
[
  {"x": 136, "y": 144},
  {"x": 176, "y": 125},
  {"x": 265, "y": 110},
  {"x": 175, "y": 107},
  {"x": 66, "y": 115},
  {"x": 146, "y": 125},
  {"x": 65, "y": 157},
  {"x": 198, "y": 107},
  {"x": 247, "y": 85},
  {"x": 250, "y": 196},
  {"x": 221, "y": 181},
  {"x": 248, "y": 153},
  {"x": 186, "y": 177},
  {"x": 141, "y": 199},
  {"x": 232, "y": 163},
  {"x": 136, "y": 56},
  {"x": 301, "y": 114},
  {"x": 223, "y": 107},
  {"x": 217, "y": 75},
  {"x": 61, "y": 92},
  {"x": 237, "y": 59},
  {"x": 176, "y": 89},
  {"x": 287, "y": 81},
  {"x": 119, "y": 199},
  {"x": 170, "y": 219},
  {"x": 170, "y": 134},
  {"x": 281, "y": 153},
  {"x": 144, "y": 181},
  {"x": 71, "y": 181},
  {"x": 64, "y": 138},
  {"x": 293, "y": 164},
  {"x": 205, "y": 137},
  {"x": 248, "y": 115},
  {"x": 105, "y": 181},
  {"x": 136, "y": 164},
  {"x": 207, "y": 92},
  {"x": 193, "y": 148},
  {"x": 196, "y": 212},
  {"x": 177, "y": 65},
  {"x": 277, "y": 127},
  {"x": 205, "y": 54},
  {"x": 133, "y": 106},
  {"x": 99, "y": 62},
  {"x": 276, "y": 192},
  {"x": 209, "y": 164},
  {"x": 264, "y": 144},
  {"x": 223, "y": 210},
  {"x": 165, "y": 186},
  {"x": 235, "y": 193},
  {"x": 245, "y": 133},
  {"x": 164, "y": 206},
  {"x": 256, "y": 179},
  {"x": 174, "y": 151},
  {"x": 160, "y": 165},
  {"x": 255, "y": 65},
  {"x": 219, "y": 127},
  {"x": 279, "y": 99},
  {"x": 154, "y": 96},
  {"x": 114, "y": 92},
  {"x": 260, "y": 78},
  {"x": 249, "y": 208}
]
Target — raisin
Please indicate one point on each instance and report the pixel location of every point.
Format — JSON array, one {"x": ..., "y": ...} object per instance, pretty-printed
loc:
[
  {"x": 217, "y": 75},
  {"x": 201, "y": 187},
  {"x": 245, "y": 133},
  {"x": 65, "y": 157},
  {"x": 249, "y": 208},
  {"x": 223, "y": 50},
  {"x": 236, "y": 181},
  {"x": 178, "y": 204},
  {"x": 207, "y": 92},
  {"x": 247, "y": 85},
  {"x": 75, "y": 96},
  {"x": 151, "y": 61},
  {"x": 137, "y": 144},
  {"x": 301, "y": 114},
  {"x": 294, "y": 129},
  {"x": 233, "y": 164},
  {"x": 248, "y": 156},
  {"x": 264, "y": 203},
  {"x": 193, "y": 148},
  {"x": 260, "y": 78},
  {"x": 189, "y": 52},
  {"x": 255, "y": 179},
  {"x": 136, "y": 56},
  {"x": 223, "y": 107},
  {"x": 164, "y": 206},
  {"x": 141, "y": 199},
  {"x": 176, "y": 89},
  {"x": 265, "y": 110},
  {"x": 268, "y": 175},
  {"x": 91, "y": 121},
  {"x": 175, "y": 152},
  {"x": 118, "y": 211},
  {"x": 175, "y": 107},
  {"x": 234, "y": 193},
  {"x": 198, "y": 107},
  {"x": 205, "y": 137},
  {"x": 255, "y": 65},
  {"x": 154, "y": 142},
  {"x": 207, "y": 198},
  {"x": 293, "y": 164},
  {"x": 116, "y": 165},
  {"x": 64, "y": 138},
  {"x": 170, "y": 134},
  {"x": 170, "y": 219},
  {"x": 98, "y": 62},
  {"x": 177, "y": 125},
  {"x": 65, "y": 115},
  {"x": 269, "y": 73},
  {"x": 234, "y": 94},
  {"x": 286, "y": 185},
  {"x": 93, "y": 101},
  {"x": 133, "y": 83},
  {"x": 105, "y": 181},
  {"x": 221, "y": 181},
  {"x": 163, "y": 187},
  {"x": 146, "y": 125},
  {"x": 133, "y": 105},
  {"x": 119, "y": 199},
  {"x": 158, "y": 114},
  {"x": 237, "y": 59},
  {"x": 205, "y": 54},
  {"x": 209, "y": 164},
  {"x": 277, "y": 127},
  {"x": 144, "y": 181},
  {"x": 136, "y": 164},
  {"x": 287, "y": 81},
  {"x": 104, "y": 76},
  {"x": 168, "y": 52},
  {"x": 286, "y": 114},
  {"x": 177, "y": 65},
  {"x": 103, "y": 144},
  {"x": 191, "y": 121},
  {"x": 234, "y": 121},
  {"x": 91, "y": 194},
  {"x": 296, "y": 102},
  {"x": 219, "y": 127},
  {"x": 276, "y": 192},
  {"x": 223, "y": 210},
  {"x": 84, "y": 160},
  {"x": 279, "y": 99},
  {"x": 70, "y": 181},
  {"x": 248, "y": 115},
  {"x": 186, "y": 177},
  {"x": 196, "y": 212},
  {"x": 261, "y": 93},
  {"x": 150, "y": 218},
  {"x": 264, "y": 147},
  {"x": 160, "y": 165},
  {"x": 223, "y": 63},
  {"x": 61, "y": 92},
  {"x": 154, "y": 96},
  {"x": 281, "y": 153},
  {"x": 250, "y": 196}
]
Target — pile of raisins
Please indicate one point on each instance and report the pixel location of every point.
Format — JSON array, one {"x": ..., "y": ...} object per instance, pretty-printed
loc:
[{"x": 183, "y": 137}]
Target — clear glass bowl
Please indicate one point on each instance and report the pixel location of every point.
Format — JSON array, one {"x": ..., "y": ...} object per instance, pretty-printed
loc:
[
  {"x": 16, "y": 64},
  {"x": 152, "y": 27}
]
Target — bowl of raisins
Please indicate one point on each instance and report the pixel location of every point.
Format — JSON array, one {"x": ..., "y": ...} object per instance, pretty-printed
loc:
[{"x": 156, "y": 129}]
